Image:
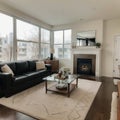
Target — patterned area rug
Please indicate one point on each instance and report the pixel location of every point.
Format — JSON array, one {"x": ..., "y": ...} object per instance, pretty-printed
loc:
[{"x": 51, "y": 106}]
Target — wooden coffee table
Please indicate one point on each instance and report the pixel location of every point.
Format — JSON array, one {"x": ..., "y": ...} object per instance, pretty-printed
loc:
[{"x": 70, "y": 83}]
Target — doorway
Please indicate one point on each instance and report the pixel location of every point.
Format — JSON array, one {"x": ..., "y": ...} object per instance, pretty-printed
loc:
[{"x": 116, "y": 58}]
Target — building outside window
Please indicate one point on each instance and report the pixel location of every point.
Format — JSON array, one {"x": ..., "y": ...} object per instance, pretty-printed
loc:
[
  {"x": 6, "y": 37},
  {"x": 62, "y": 43},
  {"x": 45, "y": 43},
  {"x": 27, "y": 40}
]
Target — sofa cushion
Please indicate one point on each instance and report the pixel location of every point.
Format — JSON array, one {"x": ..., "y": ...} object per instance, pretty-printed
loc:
[
  {"x": 12, "y": 66},
  {"x": 40, "y": 65},
  {"x": 33, "y": 75},
  {"x": 21, "y": 79},
  {"x": 32, "y": 65},
  {"x": 37, "y": 74},
  {"x": 7, "y": 69},
  {"x": 21, "y": 67}
]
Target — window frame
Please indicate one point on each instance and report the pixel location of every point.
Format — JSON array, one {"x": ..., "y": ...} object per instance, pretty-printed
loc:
[
  {"x": 63, "y": 53},
  {"x": 27, "y": 41},
  {"x": 15, "y": 40},
  {"x": 12, "y": 51},
  {"x": 46, "y": 43}
]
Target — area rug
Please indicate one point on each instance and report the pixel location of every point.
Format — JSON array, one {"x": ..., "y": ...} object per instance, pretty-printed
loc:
[
  {"x": 52, "y": 106},
  {"x": 113, "y": 115},
  {"x": 115, "y": 81}
]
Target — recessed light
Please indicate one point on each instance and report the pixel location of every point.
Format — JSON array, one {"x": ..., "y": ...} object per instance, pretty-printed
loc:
[
  {"x": 94, "y": 8},
  {"x": 81, "y": 19}
]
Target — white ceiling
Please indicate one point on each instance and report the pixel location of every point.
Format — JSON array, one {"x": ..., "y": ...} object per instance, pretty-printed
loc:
[{"x": 57, "y": 12}]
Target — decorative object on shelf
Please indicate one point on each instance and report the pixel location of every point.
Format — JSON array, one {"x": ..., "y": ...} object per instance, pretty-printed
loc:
[
  {"x": 51, "y": 53},
  {"x": 73, "y": 44},
  {"x": 98, "y": 45},
  {"x": 61, "y": 86},
  {"x": 63, "y": 73}
]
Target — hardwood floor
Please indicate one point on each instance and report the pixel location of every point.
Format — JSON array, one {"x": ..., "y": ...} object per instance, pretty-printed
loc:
[
  {"x": 9, "y": 114},
  {"x": 100, "y": 109}
]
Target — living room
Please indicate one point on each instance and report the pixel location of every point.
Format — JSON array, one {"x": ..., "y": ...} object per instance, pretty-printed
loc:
[{"x": 63, "y": 16}]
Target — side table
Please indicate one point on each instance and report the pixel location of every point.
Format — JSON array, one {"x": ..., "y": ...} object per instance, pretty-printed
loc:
[{"x": 54, "y": 65}]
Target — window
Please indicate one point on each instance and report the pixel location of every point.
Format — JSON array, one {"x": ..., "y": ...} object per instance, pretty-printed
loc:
[
  {"x": 6, "y": 37},
  {"x": 27, "y": 41},
  {"x": 45, "y": 43},
  {"x": 62, "y": 43}
]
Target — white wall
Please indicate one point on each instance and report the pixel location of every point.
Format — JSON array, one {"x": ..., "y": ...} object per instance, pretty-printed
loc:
[
  {"x": 96, "y": 25},
  {"x": 13, "y": 12},
  {"x": 105, "y": 33},
  {"x": 111, "y": 29}
]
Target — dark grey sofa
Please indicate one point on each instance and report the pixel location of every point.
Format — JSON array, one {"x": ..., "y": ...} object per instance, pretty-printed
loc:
[{"x": 25, "y": 76}]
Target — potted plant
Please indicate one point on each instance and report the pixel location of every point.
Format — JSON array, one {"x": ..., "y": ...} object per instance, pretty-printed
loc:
[{"x": 98, "y": 45}]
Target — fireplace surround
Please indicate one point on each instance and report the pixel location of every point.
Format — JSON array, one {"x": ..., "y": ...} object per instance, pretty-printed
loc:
[{"x": 87, "y": 53}]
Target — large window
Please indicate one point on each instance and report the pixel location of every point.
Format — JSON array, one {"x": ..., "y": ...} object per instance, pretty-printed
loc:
[
  {"x": 6, "y": 37},
  {"x": 20, "y": 40},
  {"x": 62, "y": 43},
  {"x": 45, "y": 43},
  {"x": 27, "y": 41}
]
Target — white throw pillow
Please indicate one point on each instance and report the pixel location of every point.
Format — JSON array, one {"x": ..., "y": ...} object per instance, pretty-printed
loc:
[
  {"x": 40, "y": 65},
  {"x": 6, "y": 69}
]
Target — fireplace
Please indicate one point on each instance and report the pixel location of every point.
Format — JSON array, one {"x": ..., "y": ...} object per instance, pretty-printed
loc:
[
  {"x": 87, "y": 53},
  {"x": 84, "y": 64}
]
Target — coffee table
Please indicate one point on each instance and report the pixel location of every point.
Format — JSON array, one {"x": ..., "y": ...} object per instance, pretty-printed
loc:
[{"x": 69, "y": 83}]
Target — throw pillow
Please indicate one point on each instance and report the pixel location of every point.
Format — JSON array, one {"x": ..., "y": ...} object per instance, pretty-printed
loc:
[
  {"x": 40, "y": 65},
  {"x": 6, "y": 69}
]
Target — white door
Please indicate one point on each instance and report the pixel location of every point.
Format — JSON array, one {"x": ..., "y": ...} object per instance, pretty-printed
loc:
[{"x": 116, "y": 60}]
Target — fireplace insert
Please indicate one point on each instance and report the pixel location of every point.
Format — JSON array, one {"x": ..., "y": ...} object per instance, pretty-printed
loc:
[{"x": 84, "y": 66}]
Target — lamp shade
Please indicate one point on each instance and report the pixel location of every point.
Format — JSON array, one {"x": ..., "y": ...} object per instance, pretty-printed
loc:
[{"x": 52, "y": 50}]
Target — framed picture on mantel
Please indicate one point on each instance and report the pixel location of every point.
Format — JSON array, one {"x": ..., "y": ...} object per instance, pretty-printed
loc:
[{"x": 86, "y": 38}]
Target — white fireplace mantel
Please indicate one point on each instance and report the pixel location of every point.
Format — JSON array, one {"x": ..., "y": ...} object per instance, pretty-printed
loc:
[{"x": 89, "y": 51}]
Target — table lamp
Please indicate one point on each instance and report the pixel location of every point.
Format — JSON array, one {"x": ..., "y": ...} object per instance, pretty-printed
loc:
[{"x": 51, "y": 53}]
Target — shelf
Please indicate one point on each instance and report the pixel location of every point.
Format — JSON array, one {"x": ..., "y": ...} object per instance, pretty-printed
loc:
[{"x": 63, "y": 91}]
